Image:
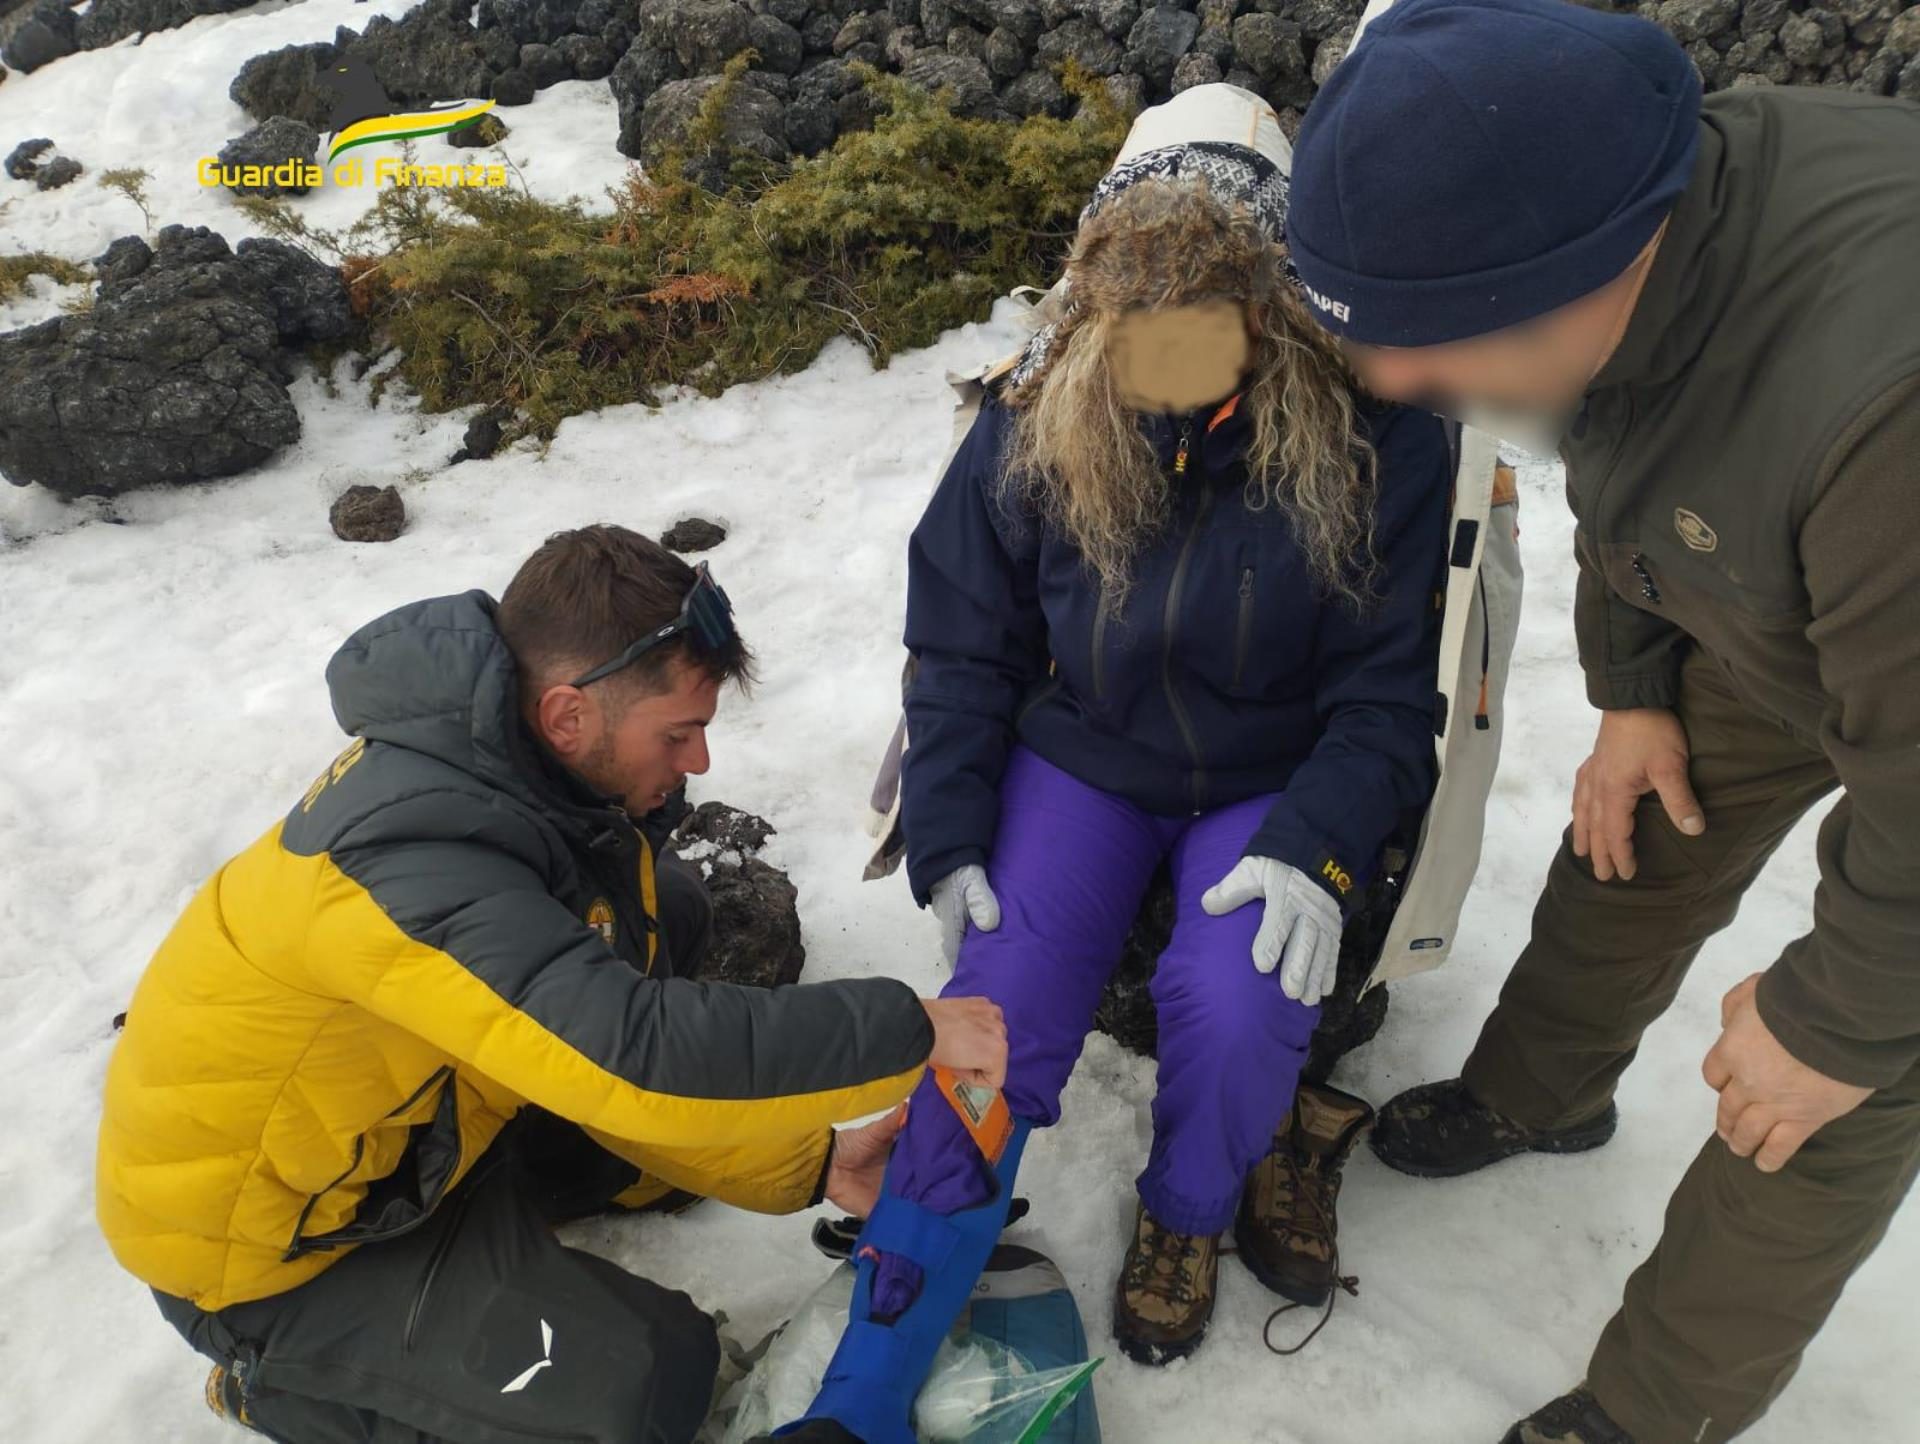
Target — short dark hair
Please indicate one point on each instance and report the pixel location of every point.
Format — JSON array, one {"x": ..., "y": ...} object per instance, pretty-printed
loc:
[{"x": 587, "y": 595}]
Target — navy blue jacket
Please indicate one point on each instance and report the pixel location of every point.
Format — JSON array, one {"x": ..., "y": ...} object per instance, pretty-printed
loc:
[{"x": 1224, "y": 676}]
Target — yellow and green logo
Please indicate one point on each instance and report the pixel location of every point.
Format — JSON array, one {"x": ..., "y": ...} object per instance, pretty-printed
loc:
[
  {"x": 362, "y": 114},
  {"x": 405, "y": 124}
]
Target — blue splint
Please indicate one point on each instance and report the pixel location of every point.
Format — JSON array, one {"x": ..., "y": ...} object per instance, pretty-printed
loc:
[{"x": 876, "y": 1373}]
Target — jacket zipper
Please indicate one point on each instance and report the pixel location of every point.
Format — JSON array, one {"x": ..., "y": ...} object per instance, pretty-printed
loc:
[
  {"x": 1243, "y": 631},
  {"x": 301, "y": 1245},
  {"x": 1099, "y": 646},
  {"x": 1171, "y": 611},
  {"x": 1481, "y": 721},
  {"x": 1647, "y": 588},
  {"x": 440, "y": 1247}
]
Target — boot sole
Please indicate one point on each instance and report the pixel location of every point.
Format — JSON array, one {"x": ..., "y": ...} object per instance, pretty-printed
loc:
[
  {"x": 1582, "y": 1139},
  {"x": 1273, "y": 1282},
  {"x": 1155, "y": 1354}
]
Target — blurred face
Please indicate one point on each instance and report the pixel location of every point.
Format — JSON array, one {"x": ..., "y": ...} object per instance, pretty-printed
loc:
[
  {"x": 1545, "y": 364},
  {"x": 1175, "y": 359},
  {"x": 639, "y": 752}
]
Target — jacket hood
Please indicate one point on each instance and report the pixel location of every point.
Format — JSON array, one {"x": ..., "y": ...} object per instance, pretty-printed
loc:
[{"x": 436, "y": 677}]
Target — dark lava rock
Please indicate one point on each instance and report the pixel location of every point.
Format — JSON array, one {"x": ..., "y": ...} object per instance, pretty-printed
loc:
[
  {"x": 1036, "y": 93},
  {"x": 49, "y": 32},
  {"x": 724, "y": 827},
  {"x": 489, "y": 129},
  {"x": 482, "y": 436},
  {"x": 1157, "y": 41},
  {"x": 778, "y": 43},
  {"x": 432, "y": 53},
  {"x": 513, "y": 87},
  {"x": 587, "y": 56},
  {"x": 966, "y": 78},
  {"x": 1347, "y": 1020},
  {"x": 544, "y": 65},
  {"x": 752, "y": 121},
  {"x": 1268, "y": 46},
  {"x": 1691, "y": 20},
  {"x": 756, "y": 916},
  {"x": 368, "y": 514},
  {"x": 290, "y": 81},
  {"x": 272, "y": 143},
  {"x": 633, "y": 80},
  {"x": 693, "y": 534},
  {"x": 23, "y": 162},
  {"x": 1083, "y": 41},
  {"x": 701, "y": 34},
  {"x": 1194, "y": 69},
  {"x": 56, "y": 173},
  {"x": 540, "y": 22},
  {"x": 178, "y": 371},
  {"x": 108, "y": 21}
]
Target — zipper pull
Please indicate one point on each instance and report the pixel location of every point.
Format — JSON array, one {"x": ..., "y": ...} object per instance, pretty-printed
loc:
[
  {"x": 1647, "y": 588},
  {"x": 1180, "y": 454},
  {"x": 1246, "y": 583}
]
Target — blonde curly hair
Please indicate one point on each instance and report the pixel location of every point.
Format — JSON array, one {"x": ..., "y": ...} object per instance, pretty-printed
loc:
[{"x": 1077, "y": 453}]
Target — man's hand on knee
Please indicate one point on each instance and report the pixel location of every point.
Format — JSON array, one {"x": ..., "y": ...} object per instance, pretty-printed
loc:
[
  {"x": 1770, "y": 1102},
  {"x": 1638, "y": 750}
]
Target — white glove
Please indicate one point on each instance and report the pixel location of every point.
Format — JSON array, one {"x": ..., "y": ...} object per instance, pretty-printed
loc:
[
  {"x": 960, "y": 895},
  {"x": 1301, "y": 929}
]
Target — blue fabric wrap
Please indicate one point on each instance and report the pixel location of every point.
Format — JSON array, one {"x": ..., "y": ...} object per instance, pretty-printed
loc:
[{"x": 876, "y": 1372}]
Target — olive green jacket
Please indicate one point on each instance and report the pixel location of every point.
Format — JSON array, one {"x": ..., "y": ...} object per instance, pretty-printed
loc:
[{"x": 1746, "y": 475}]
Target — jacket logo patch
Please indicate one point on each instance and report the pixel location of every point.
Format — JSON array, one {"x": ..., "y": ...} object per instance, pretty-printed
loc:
[
  {"x": 1337, "y": 876},
  {"x": 1693, "y": 531},
  {"x": 545, "y": 1361},
  {"x": 355, "y": 750},
  {"x": 600, "y": 919}
]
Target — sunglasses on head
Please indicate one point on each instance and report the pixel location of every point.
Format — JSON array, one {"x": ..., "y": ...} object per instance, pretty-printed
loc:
[{"x": 705, "y": 612}]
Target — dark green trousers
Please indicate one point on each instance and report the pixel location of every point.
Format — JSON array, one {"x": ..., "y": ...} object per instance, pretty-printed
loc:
[{"x": 1750, "y": 1264}]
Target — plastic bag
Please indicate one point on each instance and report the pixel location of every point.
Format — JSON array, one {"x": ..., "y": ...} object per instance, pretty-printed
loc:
[{"x": 979, "y": 1391}]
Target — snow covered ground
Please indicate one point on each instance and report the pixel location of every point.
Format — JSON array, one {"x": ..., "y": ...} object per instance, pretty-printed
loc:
[{"x": 161, "y": 703}]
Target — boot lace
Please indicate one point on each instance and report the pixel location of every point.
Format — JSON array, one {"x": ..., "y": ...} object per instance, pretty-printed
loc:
[
  {"x": 1163, "y": 1264},
  {"x": 1309, "y": 1209}
]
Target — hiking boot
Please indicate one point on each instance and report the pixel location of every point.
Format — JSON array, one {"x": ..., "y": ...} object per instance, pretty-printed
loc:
[
  {"x": 1285, "y": 1230},
  {"x": 1165, "y": 1295},
  {"x": 1575, "y": 1418},
  {"x": 223, "y": 1397},
  {"x": 1439, "y": 1130}
]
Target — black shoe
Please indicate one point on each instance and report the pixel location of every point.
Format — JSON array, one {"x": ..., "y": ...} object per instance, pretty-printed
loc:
[
  {"x": 1439, "y": 1130},
  {"x": 1575, "y": 1418}
]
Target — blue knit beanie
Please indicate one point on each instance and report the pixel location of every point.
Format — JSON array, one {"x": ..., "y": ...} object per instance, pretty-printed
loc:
[{"x": 1475, "y": 163}]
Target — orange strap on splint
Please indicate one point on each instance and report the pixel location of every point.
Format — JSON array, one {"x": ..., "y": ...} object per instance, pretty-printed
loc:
[{"x": 983, "y": 1111}]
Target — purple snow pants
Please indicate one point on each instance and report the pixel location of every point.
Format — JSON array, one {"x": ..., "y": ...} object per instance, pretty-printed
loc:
[{"x": 1070, "y": 865}]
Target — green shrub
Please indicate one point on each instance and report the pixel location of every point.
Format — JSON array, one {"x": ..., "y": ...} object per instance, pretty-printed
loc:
[{"x": 892, "y": 237}]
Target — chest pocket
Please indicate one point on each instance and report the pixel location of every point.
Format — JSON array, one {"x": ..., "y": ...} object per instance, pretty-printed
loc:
[{"x": 1247, "y": 628}]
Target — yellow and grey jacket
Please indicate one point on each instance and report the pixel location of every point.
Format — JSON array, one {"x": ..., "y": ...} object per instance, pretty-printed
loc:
[{"x": 444, "y": 928}]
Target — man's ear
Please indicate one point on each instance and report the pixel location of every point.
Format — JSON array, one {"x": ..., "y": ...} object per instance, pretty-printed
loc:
[{"x": 565, "y": 719}]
